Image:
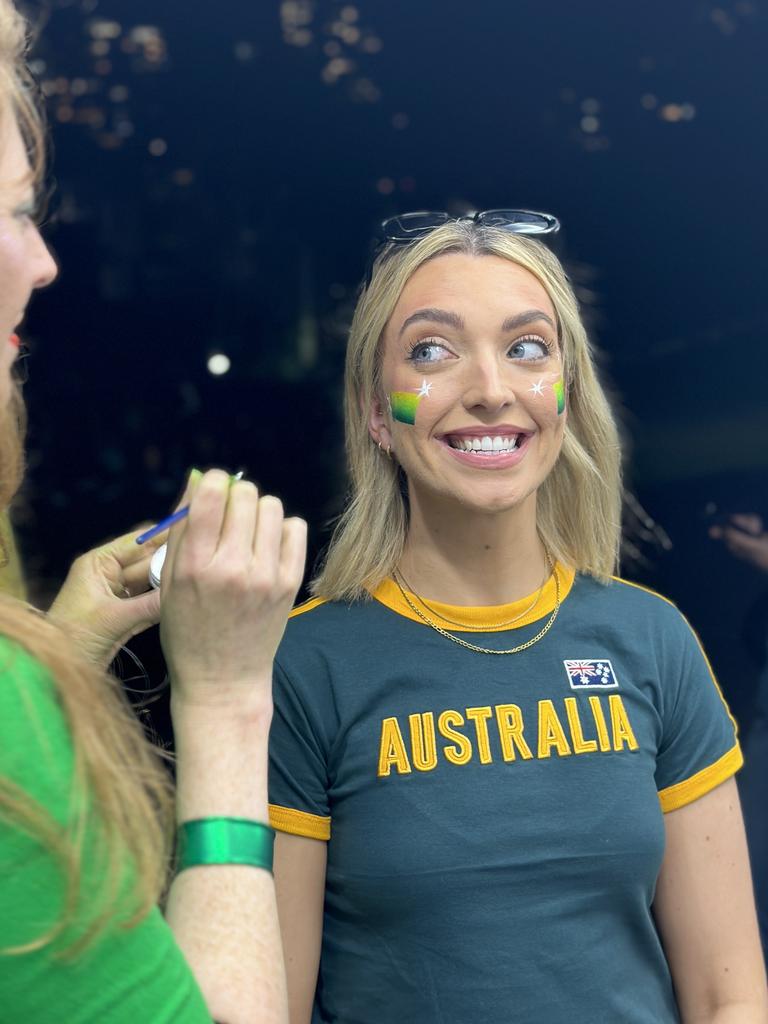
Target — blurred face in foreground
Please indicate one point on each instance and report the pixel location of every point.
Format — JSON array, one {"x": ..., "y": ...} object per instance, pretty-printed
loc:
[
  {"x": 472, "y": 375},
  {"x": 25, "y": 262}
]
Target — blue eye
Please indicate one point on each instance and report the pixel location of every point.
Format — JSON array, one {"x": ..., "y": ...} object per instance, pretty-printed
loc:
[
  {"x": 529, "y": 349},
  {"x": 426, "y": 352}
]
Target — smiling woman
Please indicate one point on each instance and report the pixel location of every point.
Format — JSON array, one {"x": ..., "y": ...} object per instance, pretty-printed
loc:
[{"x": 484, "y": 740}]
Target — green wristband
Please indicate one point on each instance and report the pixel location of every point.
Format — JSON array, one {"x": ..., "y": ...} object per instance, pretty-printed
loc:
[{"x": 225, "y": 841}]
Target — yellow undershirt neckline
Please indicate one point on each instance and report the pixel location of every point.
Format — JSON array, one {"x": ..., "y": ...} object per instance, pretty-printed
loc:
[{"x": 388, "y": 594}]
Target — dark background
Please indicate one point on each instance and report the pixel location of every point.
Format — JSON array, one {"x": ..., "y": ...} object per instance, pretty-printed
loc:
[{"x": 220, "y": 169}]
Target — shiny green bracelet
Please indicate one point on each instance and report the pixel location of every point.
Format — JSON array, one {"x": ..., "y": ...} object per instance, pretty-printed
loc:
[{"x": 225, "y": 841}]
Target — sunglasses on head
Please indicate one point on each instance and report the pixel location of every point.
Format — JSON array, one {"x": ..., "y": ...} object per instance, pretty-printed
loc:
[{"x": 410, "y": 227}]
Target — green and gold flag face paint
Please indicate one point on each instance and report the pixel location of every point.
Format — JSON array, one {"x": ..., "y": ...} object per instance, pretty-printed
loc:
[
  {"x": 559, "y": 389},
  {"x": 404, "y": 405}
]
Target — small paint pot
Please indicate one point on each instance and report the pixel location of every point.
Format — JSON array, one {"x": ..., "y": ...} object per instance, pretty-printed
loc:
[{"x": 156, "y": 566}]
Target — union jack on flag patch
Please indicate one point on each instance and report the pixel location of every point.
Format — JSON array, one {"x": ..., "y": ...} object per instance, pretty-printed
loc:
[{"x": 593, "y": 673}]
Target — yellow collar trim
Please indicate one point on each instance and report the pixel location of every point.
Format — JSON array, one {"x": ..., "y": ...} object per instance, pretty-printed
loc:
[{"x": 388, "y": 594}]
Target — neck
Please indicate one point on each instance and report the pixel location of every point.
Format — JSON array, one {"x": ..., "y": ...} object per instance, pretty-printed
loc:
[{"x": 472, "y": 558}]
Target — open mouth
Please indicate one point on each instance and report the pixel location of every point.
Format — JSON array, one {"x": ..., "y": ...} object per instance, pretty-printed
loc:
[{"x": 487, "y": 445}]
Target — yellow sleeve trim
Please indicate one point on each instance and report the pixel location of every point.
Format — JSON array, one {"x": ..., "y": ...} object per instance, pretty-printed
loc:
[
  {"x": 702, "y": 782},
  {"x": 639, "y": 586},
  {"x": 299, "y": 823},
  {"x": 307, "y": 606}
]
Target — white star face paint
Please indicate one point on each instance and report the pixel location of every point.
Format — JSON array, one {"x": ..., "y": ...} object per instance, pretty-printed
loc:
[
  {"x": 403, "y": 405},
  {"x": 558, "y": 389}
]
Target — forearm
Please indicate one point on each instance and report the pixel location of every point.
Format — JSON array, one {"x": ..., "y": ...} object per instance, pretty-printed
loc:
[
  {"x": 224, "y": 917},
  {"x": 734, "y": 1013}
]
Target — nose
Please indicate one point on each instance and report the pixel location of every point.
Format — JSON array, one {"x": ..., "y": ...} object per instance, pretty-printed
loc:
[
  {"x": 489, "y": 386},
  {"x": 45, "y": 270}
]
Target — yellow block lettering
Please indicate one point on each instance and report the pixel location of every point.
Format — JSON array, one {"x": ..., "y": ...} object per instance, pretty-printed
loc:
[
  {"x": 423, "y": 746},
  {"x": 622, "y": 730},
  {"x": 510, "y": 721},
  {"x": 480, "y": 717},
  {"x": 462, "y": 752},
  {"x": 551, "y": 733},
  {"x": 602, "y": 729},
  {"x": 580, "y": 745},
  {"x": 392, "y": 749}
]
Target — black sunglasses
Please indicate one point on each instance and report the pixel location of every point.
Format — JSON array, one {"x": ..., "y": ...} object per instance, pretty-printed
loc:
[{"x": 410, "y": 227}]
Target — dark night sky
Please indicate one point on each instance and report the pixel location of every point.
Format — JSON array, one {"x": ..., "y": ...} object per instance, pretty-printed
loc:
[{"x": 641, "y": 125}]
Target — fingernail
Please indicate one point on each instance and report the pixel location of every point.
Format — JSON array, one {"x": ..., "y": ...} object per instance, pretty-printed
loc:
[
  {"x": 194, "y": 475},
  {"x": 237, "y": 476}
]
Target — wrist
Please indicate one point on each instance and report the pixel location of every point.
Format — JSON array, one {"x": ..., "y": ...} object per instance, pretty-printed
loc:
[
  {"x": 221, "y": 764},
  {"x": 247, "y": 702},
  {"x": 224, "y": 840},
  {"x": 94, "y": 647}
]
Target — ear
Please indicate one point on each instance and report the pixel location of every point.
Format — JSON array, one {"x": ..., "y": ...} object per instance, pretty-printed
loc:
[{"x": 379, "y": 420}]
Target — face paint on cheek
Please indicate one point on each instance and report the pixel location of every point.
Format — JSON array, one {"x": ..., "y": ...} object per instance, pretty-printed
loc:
[
  {"x": 404, "y": 405},
  {"x": 559, "y": 388}
]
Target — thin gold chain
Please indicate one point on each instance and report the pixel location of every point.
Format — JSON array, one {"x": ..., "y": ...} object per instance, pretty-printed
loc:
[
  {"x": 493, "y": 625},
  {"x": 473, "y": 647}
]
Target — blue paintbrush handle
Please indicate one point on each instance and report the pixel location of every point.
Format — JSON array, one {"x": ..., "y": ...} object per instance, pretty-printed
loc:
[{"x": 164, "y": 524}]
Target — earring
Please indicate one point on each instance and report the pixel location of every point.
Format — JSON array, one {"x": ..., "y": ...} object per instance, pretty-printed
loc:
[{"x": 385, "y": 451}]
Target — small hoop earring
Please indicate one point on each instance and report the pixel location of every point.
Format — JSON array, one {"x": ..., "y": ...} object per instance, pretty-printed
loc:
[{"x": 385, "y": 451}]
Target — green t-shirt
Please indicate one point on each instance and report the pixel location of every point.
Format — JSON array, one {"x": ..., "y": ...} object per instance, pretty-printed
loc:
[
  {"x": 136, "y": 976},
  {"x": 494, "y": 823}
]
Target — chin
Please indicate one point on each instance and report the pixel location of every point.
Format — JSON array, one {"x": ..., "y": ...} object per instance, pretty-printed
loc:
[{"x": 494, "y": 500}]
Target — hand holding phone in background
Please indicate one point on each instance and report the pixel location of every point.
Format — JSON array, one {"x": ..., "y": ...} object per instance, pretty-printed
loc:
[{"x": 744, "y": 536}]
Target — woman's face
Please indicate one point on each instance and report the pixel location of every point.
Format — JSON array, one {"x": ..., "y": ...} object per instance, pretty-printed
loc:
[
  {"x": 25, "y": 262},
  {"x": 472, "y": 373}
]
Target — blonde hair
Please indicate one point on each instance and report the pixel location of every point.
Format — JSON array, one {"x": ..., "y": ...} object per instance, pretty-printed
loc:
[
  {"x": 578, "y": 505},
  {"x": 18, "y": 90},
  {"x": 129, "y": 820}
]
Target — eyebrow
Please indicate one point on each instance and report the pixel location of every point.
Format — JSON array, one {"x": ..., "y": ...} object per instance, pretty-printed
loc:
[
  {"x": 445, "y": 316},
  {"x": 435, "y": 316},
  {"x": 530, "y": 316}
]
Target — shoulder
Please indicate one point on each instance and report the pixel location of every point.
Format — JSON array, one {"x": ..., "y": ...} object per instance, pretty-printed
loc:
[
  {"x": 325, "y": 643},
  {"x": 321, "y": 620},
  {"x": 35, "y": 743},
  {"x": 619, "y": 597},
  {"x": 25, "y": 683},
  {"x": 306, "y": 606},
  {"x": 639, "y": 594},
  {"x": 636, "y": 616}
]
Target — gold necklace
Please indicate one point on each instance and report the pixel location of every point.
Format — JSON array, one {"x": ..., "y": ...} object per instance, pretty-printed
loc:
[
  {"x": 472, "y": 647},
  {"x": 484, "y": 628}
]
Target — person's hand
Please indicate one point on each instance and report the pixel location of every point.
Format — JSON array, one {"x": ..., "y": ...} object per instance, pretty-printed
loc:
[
  {"x": 231, "y": 575},
  {"x": 106, "y": 598},
  {"x": 749, "y": 542}
]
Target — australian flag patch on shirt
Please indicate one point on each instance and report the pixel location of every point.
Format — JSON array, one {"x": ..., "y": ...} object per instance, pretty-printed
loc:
[{"x": 593, "y": 673}]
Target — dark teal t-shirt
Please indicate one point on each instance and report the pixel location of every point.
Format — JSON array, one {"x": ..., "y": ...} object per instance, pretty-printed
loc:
[{"x": 494, "y": 823}]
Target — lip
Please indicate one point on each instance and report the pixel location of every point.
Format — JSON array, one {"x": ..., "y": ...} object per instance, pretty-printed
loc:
[
  {"x": 475, "y": 460},
  {"x": 486, "y": 430}
]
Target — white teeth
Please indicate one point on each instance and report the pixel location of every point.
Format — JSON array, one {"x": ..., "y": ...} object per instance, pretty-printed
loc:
[{"x": 485, "y": 445}]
